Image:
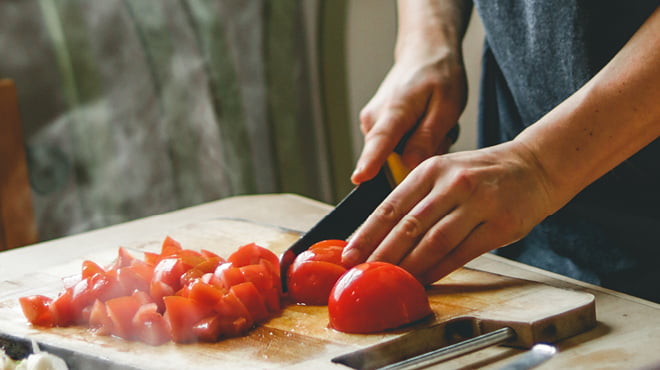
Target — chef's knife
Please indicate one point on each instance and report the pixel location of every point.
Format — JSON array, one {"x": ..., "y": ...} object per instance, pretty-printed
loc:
[
  {"x": 354, "y": 209},
  {"x": 350, "y": 213}
]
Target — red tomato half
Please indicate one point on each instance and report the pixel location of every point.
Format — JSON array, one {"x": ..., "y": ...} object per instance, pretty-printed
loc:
[
  {"x": 315, "y": 271},
  {"x": 376, "y": 296}
]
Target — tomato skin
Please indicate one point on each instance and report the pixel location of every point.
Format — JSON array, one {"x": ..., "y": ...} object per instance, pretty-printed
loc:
[
  {"x": 181, "y": 314},
  {"x": 169, "y": 271},
  {"x": 36, "y": 309},
  {"x": 251, "y": 254},
  {"x": 315, "y": 271},
  {"x": 311, "y": 282},
  {"x": 376, "y": 296}
]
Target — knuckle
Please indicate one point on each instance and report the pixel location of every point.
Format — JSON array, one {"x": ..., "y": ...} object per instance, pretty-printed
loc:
[
  {"x": 463, "y": 179},
  {"x": 386, "y": 212},
  {"x": 439, "y": 240},
  {"x": 411, "y": 226}
]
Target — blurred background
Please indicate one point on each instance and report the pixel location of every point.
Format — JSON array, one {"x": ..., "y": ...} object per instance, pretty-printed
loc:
[{"x": 132, "y": 108}]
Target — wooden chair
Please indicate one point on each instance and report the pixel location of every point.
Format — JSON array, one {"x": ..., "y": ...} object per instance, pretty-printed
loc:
[{"x": 17, "y": 222}]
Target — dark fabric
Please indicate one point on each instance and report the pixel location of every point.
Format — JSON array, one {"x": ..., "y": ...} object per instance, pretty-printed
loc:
[{"x": 537, "y": 53}]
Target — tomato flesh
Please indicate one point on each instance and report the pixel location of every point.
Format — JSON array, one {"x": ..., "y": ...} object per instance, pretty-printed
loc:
[{"x": 376, "y": 296}]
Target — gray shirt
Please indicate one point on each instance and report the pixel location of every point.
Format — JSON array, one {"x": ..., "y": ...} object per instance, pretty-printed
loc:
[{"x": 537, "y": 53}]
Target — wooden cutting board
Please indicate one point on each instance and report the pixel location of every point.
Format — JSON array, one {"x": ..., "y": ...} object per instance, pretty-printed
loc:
[{"x": 299, "y": 337}]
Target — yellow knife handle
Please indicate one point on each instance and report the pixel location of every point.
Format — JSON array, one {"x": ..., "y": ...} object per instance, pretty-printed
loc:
[{"x": 397, "y": 171}]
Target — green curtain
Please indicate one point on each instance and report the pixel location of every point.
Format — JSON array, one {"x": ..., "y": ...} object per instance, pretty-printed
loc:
[{"x": 132, "y": 107}]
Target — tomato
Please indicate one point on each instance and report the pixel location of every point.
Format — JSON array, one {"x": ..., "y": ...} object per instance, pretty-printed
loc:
[
  {"x": 90, "y": 268},
  {"x": 62, "y": 309},
  {"x": 376, "y": 296},
  {"x": 121, "y": 311},
  {"x": 178, "y": 294},
  {"x": 150, "y": 326},
  {"x": 315, "y": 271},
  {"x": 181, "y": 314},
  {"x": 250, "y": 254},
  {"x": 169, "y": 271},
  {"x": 99, "y": 321},
  {"x": 36, "y": 309},
  {"x": 248, "y": 294}
]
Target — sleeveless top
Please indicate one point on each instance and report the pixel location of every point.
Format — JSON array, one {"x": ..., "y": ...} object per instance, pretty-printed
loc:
[{"x": 536, "y": 54}]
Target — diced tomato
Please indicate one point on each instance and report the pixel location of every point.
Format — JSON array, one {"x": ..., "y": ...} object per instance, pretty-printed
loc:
[
  {"x": 150, "y": 326},
  {"x": 208, "y": 329},
  {"x": 99, "y": 321},
  {"x": 169, "y": 271},
  {"x": 124, "y": 258},
  {"x": 159, "y": 290},
  {"x": 90, "y": 268},
  {"x": 265, "y": 282},
  {"x": 130, "y": 280},
  {"x": 376, "y": 296},
  {"x": 210, "y": 255},
  {"x": 181, "y": 314},
  {"x": 229, "y": 275},
  {"x": 152, "y": 258},
  {"x": 205, "y": 294},
  {"x": 121, "y": 311},
  {"x": 170, "y": 247},
  {"x": 233, "y": 310},
  {"x": 62, "y": 309},
  {"x": 36, "y": 309},
  {"x": 248, "y": 294},
  {"x": 250, "y": 254},
  {"x": 190, "y": 257},
  {"x": 143, "y": 297},
  {"x": 209, "y": 264}
]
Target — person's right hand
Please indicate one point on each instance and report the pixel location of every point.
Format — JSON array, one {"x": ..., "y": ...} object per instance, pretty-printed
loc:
[{"x": 425, "y": 91}]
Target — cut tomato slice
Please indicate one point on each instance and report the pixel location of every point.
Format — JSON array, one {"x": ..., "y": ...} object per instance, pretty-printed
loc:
[
  {"x": 250, "y": 254},
  {"x": 310, "y": 282},
  {"x": 36, "y": 309},
  {"x": 181, "y": 314},
  {"x": 121, "y": 311},
  {"x": 99, "y": 321},
  {"x": 229, "y": 275},
  {"x": 150, "y": 326},
  {"x": 248, "y": 294}
]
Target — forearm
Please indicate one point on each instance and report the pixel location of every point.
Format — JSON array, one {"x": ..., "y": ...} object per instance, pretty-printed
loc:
[
  {"x": 609, "y": 119},
  {"x": 431, "y": 25}
]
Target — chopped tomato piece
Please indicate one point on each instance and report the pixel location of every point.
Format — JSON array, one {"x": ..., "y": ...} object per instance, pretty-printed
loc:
[
  {"x": 121, "y": 311},
  {"x": 150, "y": 326},
  {"x": 248, "y": 294},
  {"x": 90, "y": 268},
  {"x": 205, "y": 294},
  {"x": 170, "y": 247},
  {"x": 233, "y": 310},
  {"x": 229, "y": 275},
  {"x": 181, "y": 314},
  {"x": 169, "y": 271},
  {"x": 36, "y": 309},
  {"x": 131, "y": 281},
  {"x": 99, "y": 321},
  {"x": 376, "y": 296},
  {"x": 250, "y": 254},
  {"x": 62, "y": 309}
]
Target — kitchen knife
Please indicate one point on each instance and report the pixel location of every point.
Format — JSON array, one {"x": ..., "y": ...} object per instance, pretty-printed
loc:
[
  {"x": 354, "y": 209},
  {"x": 350, "y": 213}
]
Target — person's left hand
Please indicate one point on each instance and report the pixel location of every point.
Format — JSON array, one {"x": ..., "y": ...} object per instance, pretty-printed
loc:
[{"x": 453, "y": 208}]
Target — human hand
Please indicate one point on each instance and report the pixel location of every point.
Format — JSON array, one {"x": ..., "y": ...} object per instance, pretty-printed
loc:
[
  {"x": 424, "y": 91},
  {"x": 453, "y": 208}
]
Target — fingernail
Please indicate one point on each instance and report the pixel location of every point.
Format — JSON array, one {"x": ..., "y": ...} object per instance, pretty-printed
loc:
[{"x": 350, "y": 257}]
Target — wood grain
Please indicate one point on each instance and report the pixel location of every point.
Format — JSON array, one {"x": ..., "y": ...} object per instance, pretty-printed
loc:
[
  {"x": 299, "y": 336},
  {"x": 17, "y": 223}
]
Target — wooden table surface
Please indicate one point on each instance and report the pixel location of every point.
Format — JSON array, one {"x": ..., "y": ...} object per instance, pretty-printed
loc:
[{"x": 627, "y": 335}]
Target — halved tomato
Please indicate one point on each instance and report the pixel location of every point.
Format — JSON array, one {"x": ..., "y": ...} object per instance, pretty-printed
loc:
[
  {"x": 376, "y": 296},
  {"x": 315, "y": 271}
]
